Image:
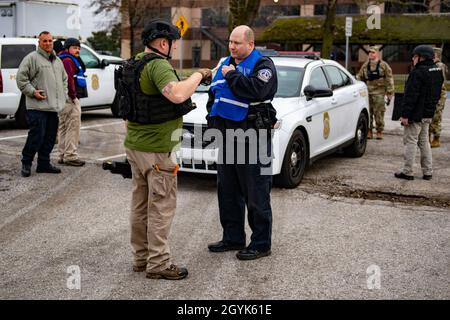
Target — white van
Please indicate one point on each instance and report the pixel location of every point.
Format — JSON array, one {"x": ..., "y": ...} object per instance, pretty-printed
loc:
[{"x": 99, "y": 71}]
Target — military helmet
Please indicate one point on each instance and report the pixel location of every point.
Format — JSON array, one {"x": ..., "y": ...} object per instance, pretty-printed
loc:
[
  {"x": 374, "y": 49},
  {"x": 71, "y": 42},
  {"x": 424, "y": 51},
  {"x": 158, "y": 28}
]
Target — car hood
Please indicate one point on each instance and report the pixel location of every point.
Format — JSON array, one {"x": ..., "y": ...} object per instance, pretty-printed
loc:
[
  {"x": 113, "y": 58},
  {"x": 284, "y": 106}
]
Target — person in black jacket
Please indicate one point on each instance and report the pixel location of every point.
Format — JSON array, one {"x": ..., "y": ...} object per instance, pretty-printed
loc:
[
  {"x": 240, "y": 102},
  {"x": 422, "y": 91}
]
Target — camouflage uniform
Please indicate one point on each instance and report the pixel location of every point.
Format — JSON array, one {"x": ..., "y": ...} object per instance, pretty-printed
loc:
[
  {"x": 377, "y": 90},
  {"x": 435, "y": 127}
]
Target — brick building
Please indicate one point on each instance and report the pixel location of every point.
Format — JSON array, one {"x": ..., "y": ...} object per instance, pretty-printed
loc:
[{"x": 206, "y": 39}]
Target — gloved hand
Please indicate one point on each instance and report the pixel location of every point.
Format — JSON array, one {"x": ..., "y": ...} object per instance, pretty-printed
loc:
[{"x": 206, "y": 76}]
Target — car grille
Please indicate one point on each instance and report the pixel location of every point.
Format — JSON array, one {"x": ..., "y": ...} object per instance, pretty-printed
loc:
[{"x": 189, "y": 139}]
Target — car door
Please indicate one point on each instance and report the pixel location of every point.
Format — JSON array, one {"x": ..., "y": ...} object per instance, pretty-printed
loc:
[
  {"x": 100, "y": 80},
  {"x": 319, "y": 115},
  {"x": 11, "y": 57},
  {"x": 343, "y": 102}
]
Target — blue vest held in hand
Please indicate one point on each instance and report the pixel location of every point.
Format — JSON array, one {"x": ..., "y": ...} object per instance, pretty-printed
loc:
[
  {"x": 80, "y": 78},
  {"x": 226, "y": 105}
]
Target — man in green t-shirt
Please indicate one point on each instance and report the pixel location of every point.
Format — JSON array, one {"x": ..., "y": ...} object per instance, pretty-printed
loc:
[{"x": 150, "y": 152}]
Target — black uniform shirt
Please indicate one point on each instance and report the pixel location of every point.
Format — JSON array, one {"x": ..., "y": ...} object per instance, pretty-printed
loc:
[
  {"x": 260, "y": 85},
  {"x": 422, "y": 91}
]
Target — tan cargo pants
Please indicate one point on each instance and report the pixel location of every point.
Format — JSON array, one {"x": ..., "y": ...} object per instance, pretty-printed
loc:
[
  {"x": 69, "y": 130},
  {"x": 416, "y": 134},
  {"x": 153, "y": 207}
]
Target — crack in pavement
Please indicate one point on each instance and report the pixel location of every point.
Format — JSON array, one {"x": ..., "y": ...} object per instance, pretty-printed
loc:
[{"x": 343, "y": 189}]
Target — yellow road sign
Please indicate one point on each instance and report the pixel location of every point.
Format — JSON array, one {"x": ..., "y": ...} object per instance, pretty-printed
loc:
[{"x": 182, "y": 24}]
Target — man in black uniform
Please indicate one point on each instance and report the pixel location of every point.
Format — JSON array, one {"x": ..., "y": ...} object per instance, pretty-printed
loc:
[
  {"x": 422, "y": 92},
  {"x": 240, "y": 101}
]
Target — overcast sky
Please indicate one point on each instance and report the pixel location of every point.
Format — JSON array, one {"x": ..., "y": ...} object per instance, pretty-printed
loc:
[{"x": 89, "y": 22}]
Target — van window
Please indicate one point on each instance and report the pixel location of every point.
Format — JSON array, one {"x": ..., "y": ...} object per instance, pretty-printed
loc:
[
  {"x": 89, "y": 59},
  {"x": 13, "y": 54}
]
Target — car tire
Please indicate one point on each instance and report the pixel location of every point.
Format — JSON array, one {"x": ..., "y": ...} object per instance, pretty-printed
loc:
[
  {"x": 294, "y": 162},
  {"x": 115, "y": 107},
  {"x": 21, "y": 114},
  {"x": 358, "y": 147}
]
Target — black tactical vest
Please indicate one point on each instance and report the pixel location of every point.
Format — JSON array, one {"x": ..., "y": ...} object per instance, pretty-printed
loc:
[
  {"x": 374, "y": 74},
  {"x": 136, "y": 106}
]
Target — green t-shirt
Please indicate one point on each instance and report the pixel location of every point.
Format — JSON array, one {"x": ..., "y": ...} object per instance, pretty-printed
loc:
[{"x": 154, "y": 137}]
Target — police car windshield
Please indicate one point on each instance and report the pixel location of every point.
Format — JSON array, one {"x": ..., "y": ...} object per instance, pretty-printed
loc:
[{"x": 289, "y": 82}]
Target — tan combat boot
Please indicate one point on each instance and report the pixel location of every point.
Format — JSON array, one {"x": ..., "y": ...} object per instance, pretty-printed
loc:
[
  {"x": 379, "y": 135},
  {"x": 435, "y": 143},
  {"x": 369, "y": 134}
]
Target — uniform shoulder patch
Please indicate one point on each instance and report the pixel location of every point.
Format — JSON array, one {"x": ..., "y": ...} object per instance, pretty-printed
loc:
[{"x": 265, "y": 75}]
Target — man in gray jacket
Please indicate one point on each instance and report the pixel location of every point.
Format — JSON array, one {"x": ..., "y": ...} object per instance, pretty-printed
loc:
[{"x": 42, "y": 79}]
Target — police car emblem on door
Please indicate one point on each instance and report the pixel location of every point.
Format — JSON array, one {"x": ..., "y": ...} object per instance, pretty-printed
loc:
[
  {"x": 94, "y": 82},
  {"x": 326, "y": 125}
]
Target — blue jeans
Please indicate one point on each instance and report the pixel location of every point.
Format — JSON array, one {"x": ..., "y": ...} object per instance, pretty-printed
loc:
[{"x": 43, "y": 128}]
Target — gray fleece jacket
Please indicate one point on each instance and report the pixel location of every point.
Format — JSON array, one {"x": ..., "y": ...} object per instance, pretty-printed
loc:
[{"x": 38, "y": 72}]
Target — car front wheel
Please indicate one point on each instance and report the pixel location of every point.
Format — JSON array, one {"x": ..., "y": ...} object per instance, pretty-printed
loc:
[
  {"x": 294, "y": 162},
  {"x": 358, "y": 147}
]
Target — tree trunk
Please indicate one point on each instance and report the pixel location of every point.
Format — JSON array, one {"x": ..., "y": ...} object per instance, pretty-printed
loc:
[
  {"x": 125, "y": 30},
  {"x": 328, "y": 30},
  {"x": 242, "y": 12}
]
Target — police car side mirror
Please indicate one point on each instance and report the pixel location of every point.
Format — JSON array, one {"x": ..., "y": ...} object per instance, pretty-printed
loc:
[
  {"x": 104, "y": 63},
  {"x": 311, "y": 92}
]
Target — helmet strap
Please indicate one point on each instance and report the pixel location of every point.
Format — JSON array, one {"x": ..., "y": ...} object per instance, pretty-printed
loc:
[{"x": 167, "y": 56}]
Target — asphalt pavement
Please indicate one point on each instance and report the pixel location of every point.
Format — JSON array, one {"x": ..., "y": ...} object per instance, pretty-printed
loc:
[{"x": 349, "y": 231}]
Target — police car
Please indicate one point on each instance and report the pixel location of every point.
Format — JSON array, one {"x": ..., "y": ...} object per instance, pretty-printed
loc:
[
  {"x": 99, "y": 72},
  {"x": 321, "y": 108}
]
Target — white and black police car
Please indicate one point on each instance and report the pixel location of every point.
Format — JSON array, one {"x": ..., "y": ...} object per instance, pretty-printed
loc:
[{"x": 321, "y": 108}]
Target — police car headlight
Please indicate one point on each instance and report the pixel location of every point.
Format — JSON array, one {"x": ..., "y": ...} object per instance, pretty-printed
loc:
[{"x": 277, "y": 124}]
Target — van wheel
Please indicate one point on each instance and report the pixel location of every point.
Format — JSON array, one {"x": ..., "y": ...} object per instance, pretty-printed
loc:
[
  {"x": 294, "y": 162},
  {"x": 358, "y": 147},
  {"x": 21, "y": 115},
  {"x": 115, "y": 107}
]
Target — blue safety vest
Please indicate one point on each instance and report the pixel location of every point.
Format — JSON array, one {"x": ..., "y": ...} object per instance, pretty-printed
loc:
[
  {"x": 226, "y": 104},
  {"x": 80, "y": 78}
]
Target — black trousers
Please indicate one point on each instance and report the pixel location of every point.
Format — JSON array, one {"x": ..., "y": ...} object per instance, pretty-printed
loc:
[
  {"x": 43, "y": 128},
  {"x": 245, "y": 185}
]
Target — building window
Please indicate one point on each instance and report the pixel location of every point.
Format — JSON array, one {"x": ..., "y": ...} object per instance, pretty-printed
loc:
[
  {"x": 445, "y": 7},
  {"x": 216, "y": 51},
  {"x": 397, "y": 53},
  {"x": 341, "y": 9},
  {"x": 215, "y": 17},
  {"x": 399, "y": 8},
  {"x": 156, "y": 12},
  {"x": 267, "y": 14}
]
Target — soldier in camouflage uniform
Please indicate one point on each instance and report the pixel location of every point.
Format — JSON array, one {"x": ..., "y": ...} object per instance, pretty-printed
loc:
[
  {"x": 435, "y": 126},
  {"x": 377, "y": 74}
]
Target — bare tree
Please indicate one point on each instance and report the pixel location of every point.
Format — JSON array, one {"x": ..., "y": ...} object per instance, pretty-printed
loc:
[
  {"x": 328, "y": 29},
  {"x": 242, "y": 12}
]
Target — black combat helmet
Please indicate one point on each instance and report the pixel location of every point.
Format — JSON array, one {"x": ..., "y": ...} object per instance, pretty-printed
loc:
[
  {"x": 71, "y": 42},
  {"x": 158, "y": 28},
  {"x": 424, "y": 51}
]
